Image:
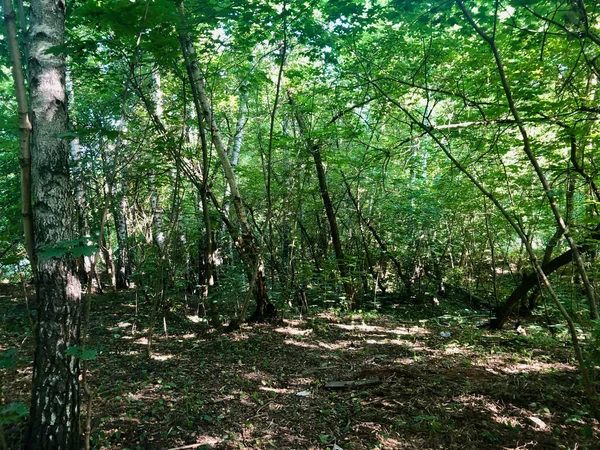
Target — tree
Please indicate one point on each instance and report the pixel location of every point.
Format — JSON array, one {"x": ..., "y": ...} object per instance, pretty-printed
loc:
[
  {"x": 54, "y": 417},
  {"x": 24, "y": 129}
]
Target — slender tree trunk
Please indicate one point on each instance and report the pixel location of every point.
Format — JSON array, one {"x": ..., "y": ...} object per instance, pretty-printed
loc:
[
  {"x": 315, "y": 150},
  {"x": 490, "y": 40},
  {"x": 120, "y": 216},
  {"x": 54, "y": 416},
  {"x": 335, "y": 233},
  {"x": 236, "y": 147},
  {"x": 24, "y": 129},
  {"x": 158, "y": 237},
  {"x": 105, "y": 247},
  {"x": 382, "y": 245},
  {"x": 247, "y": 245}
]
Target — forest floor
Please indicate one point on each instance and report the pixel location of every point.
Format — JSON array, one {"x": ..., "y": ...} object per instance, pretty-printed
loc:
[{"x": 327, "y": 381}]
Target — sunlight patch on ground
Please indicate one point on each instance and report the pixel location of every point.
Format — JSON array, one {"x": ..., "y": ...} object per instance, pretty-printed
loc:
[
  {"x": 207, "y": 440},
  {"x": 340, "y": 345},
  {"x": 453, "y": 349},
  {"x": 365, "y": 328},
  {"x": 276, "y": 390},
  {"x": 388, "y": 442},
  {"x": 293, "y": 331},
  {"x": 135, "y": 396},
  {"x": 413, "y": 330},
  {"x": 293, "y": 322},
  {"x": 388, "y": 341},
  {"x": 188, "y": 336},
  {"x": 301, "y": 381},
  {"x": 259, "y": 376},
  {"x": 158, "y": 357},
  {"x": 301, "y": 344},
  {"x": 513, "y": 368},
  {"x": 410, "y": 331},
  {"x": 479, "y": 401},
  {"x": 512, "y": 422},
  {"x": 130, "y": 419},
  {"x": 196, "y": 319}
]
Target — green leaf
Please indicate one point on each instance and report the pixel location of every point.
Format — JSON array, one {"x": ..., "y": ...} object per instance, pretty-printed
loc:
[
  {"x": 13, "y": 412},
  {"x": 73, "y": 351},
  {"x": 86, "y": 355},
  {"x": 89, "y": 354},
  {"x": 52, "y": 252},
  {"x": 8, "y": 358},
  {"x": 86, "y": 250}
]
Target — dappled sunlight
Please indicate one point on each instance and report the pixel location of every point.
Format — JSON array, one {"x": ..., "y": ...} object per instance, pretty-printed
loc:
[
  {"x": 260, "y": 376},
  {"x": 276, "y": 390},
  {"x": 362, "y": 327},
  {"x": 454, "y": 349},
  {"x": 196, "y": 319},
  {"x": 158, "y": 357},
  {"x": 507, "y": 420},
  {"x": 412, "y": 330},
  {"x": 187, "y": 336},
  {"x": 301, "y": 344},
  {"x": 207, "y": 440},
  {"x": 339, "y": 345},
  {"x": 310, "y": 384},
  {"x": 293, "y": 331},
  {"x": 299, "y": 381},
  {"x": 510, "y": 367},
  {"x": 507, "y": 414},
  {"x": 388, "y": 341}
]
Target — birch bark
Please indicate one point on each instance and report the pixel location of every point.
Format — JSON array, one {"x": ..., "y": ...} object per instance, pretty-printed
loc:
[{"x": 54, "y": 416}]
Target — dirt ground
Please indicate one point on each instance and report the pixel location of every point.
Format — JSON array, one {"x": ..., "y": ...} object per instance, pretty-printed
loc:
[{"x": 327, "y": 381}]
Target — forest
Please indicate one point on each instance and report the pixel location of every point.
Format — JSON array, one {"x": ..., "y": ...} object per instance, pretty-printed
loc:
[{"x": 299, "y": 224}]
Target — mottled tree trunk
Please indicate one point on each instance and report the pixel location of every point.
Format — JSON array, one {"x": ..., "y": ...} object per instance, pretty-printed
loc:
[
  {"x": 54, "y": 417},
  {"x": 120, "y": 215}
]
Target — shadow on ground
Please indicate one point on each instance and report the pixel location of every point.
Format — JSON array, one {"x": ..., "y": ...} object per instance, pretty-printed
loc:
[{"x": 408, "y": 385}]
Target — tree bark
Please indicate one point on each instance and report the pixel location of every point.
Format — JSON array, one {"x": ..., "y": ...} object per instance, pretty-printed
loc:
[
  {"x": 120, "y": 218},
  {"x": 54, "y": 416},
  {"x": 24, "y": 130}
]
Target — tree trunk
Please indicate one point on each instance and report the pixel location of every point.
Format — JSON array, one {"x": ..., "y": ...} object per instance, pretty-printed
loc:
[
  {"x": 24, "y": 130},
  {"x": 247, "y": 245},
  {"x": 527, "y": 149},
  {"x": 120, "y": 217},
  {"x": 315, "y": 150},
  {"x": 529, "y": 281},
  {"x": 54, "y": 416}
]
